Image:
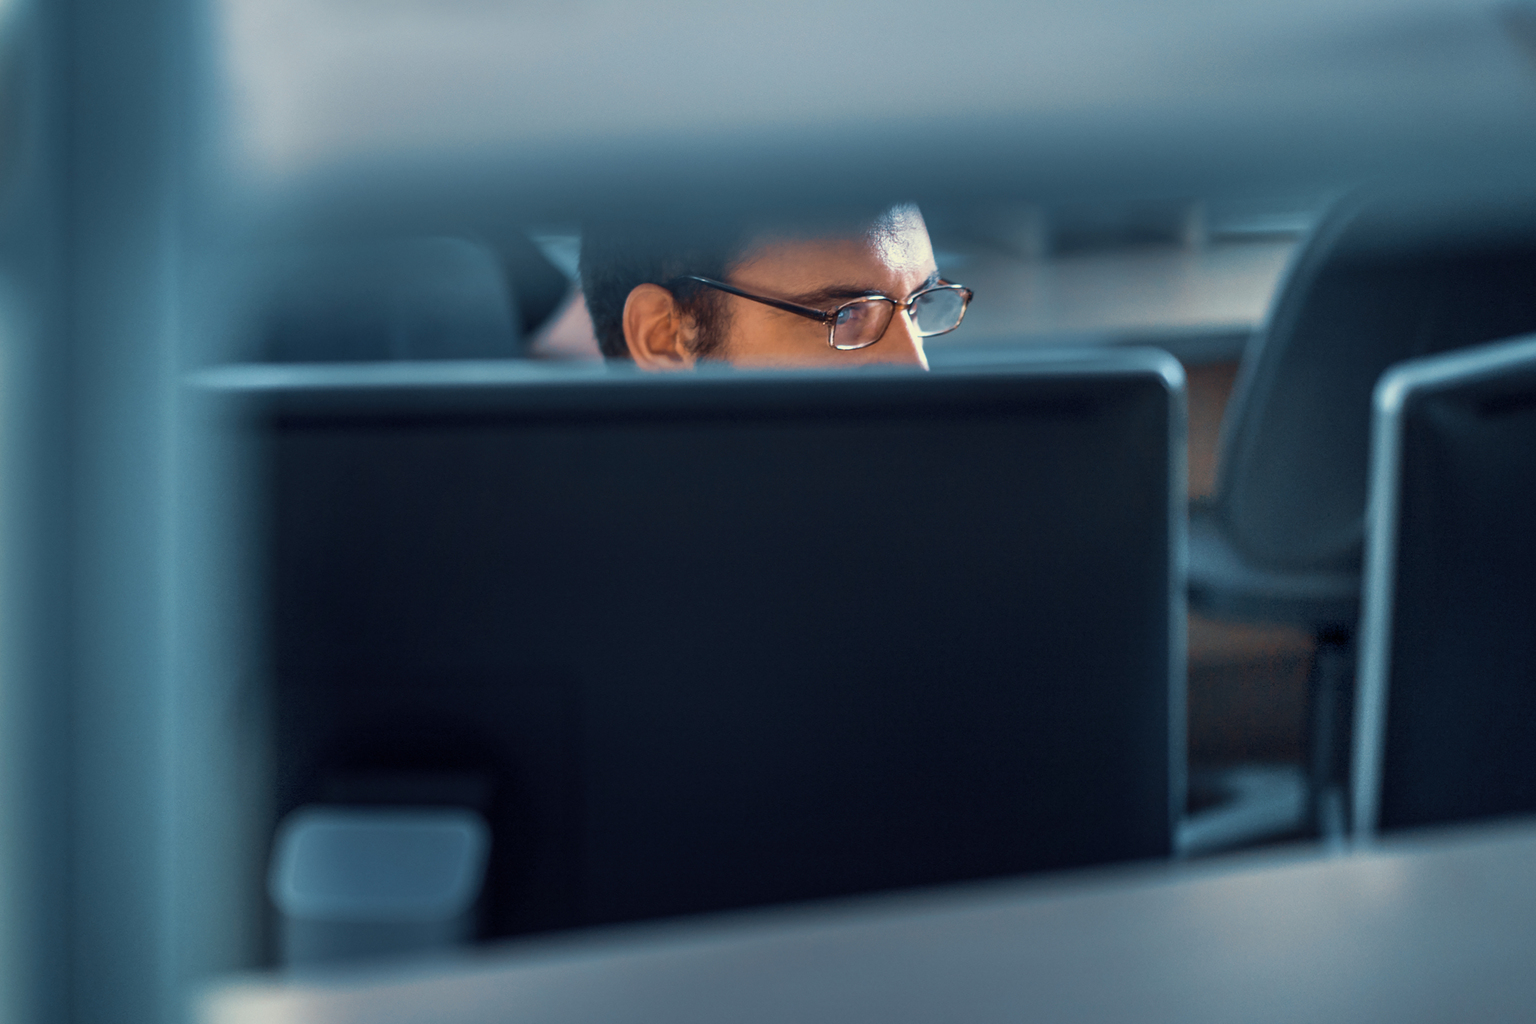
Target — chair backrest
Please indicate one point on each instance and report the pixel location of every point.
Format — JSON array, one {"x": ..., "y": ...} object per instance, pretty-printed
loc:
[
  {"x": 1446, "y": 716},
  {"x": 400, "y": 298},
  {"x": 1382, "y": 278}
]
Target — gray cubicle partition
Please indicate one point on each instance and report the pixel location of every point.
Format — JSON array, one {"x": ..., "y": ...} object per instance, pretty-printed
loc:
[
  {"x": 1446, "y": 718},
  {"x": 730, "y": 640}
]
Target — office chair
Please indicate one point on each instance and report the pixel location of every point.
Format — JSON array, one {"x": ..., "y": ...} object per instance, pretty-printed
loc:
[
  {"x": 389, "y": 299},
  {"x": 1382, "y": 278},
  {"x": 1448, "y": 645}
]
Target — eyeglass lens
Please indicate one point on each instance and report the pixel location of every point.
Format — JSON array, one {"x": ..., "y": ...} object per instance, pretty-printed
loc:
[
  {"x": 938, "y": 311},
  {"x": 861, "y": 323}
]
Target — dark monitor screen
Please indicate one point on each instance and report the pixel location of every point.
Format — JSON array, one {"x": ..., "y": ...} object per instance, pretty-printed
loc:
[
  {"x": 717, "y": 642},
  {"x": 1459, "y": 738}
]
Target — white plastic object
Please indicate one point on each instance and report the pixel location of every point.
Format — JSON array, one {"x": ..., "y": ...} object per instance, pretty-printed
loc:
[{"x": 353, "y": 882}]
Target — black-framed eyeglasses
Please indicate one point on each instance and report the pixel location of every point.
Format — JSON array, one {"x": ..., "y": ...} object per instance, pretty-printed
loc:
[{"x": 859, "y": 323}]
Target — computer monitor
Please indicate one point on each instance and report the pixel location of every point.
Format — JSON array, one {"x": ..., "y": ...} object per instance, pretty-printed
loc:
[
  {"x": 729, "y": 640},
  {"x": 1446, "y": 715}
]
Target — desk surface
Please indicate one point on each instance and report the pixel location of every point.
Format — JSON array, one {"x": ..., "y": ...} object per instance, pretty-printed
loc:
[{"x": 1437, "y": 928}]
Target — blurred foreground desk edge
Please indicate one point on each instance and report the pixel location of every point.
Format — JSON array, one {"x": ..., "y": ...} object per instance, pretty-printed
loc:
[{"x": 1436, "y": 927}]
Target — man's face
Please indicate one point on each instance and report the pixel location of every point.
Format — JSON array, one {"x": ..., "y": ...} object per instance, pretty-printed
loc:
[{"x": 893, "y": 257}]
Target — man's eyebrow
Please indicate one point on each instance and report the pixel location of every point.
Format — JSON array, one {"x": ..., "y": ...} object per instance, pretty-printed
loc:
[
  {"x": 843, "y": 292},
  {"x": 821, "y": 296}
]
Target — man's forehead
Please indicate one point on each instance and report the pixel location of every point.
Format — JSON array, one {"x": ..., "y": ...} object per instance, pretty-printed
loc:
[
  {"x": 901, "y": 238},
  {"x": 897, "y": 239}
]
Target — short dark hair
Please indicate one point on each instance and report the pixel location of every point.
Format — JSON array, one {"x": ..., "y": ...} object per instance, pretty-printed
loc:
[{"x": 617, "y": 257}]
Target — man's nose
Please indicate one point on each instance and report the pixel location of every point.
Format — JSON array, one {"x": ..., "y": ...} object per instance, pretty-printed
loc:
[{"x": 901, "y": 343}]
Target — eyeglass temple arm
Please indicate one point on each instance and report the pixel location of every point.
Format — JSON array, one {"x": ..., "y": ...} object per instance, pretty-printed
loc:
[{"x": 819, "y": 315}]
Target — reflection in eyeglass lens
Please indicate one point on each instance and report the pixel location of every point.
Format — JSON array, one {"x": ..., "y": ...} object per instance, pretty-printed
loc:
[
  {"x": 938, "y": 311},
  {"x": 861, "y": 323}
]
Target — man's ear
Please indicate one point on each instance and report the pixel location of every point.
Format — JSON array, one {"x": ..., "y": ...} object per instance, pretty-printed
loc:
[{"x": 657, "y": 332}]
